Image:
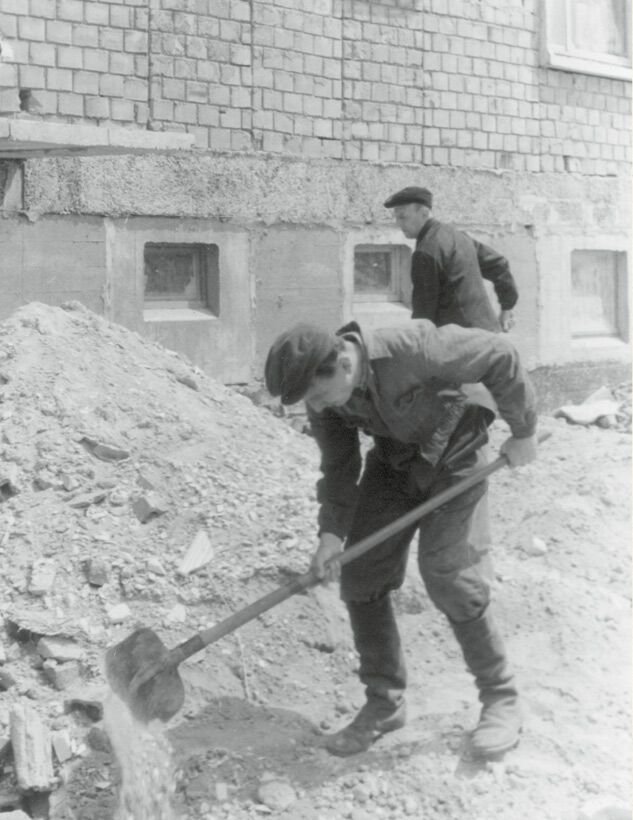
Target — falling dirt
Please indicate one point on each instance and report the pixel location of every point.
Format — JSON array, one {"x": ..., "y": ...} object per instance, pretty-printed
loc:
[
  {"x": 116, "y": 454},
  {"x": 143, "y": 755}
]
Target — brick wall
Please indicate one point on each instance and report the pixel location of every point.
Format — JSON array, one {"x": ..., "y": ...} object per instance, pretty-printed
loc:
[
  {"x": 488, "y": 102},
  {"x": 441, "y": 82}
]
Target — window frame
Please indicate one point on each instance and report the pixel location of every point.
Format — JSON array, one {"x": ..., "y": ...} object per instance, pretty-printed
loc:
[
  {"x": 620, "y": 330},
  {"x": 557, "y": 53},
  {"x": 204, "y": 267},
  {"x": 399, "y": 268}
]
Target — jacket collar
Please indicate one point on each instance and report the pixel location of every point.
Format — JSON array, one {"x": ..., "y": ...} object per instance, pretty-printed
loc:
[
  {"x": 371, "y": 348},
  {"x": 430, "y": 222}
]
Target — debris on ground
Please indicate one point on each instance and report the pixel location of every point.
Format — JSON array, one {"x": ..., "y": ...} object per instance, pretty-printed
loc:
[
  {"x": 602, "y": 407},
  {"x": 137, "y": 491}
]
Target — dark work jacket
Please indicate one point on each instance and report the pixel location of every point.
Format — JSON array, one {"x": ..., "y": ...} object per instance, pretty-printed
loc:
[
  {"x": 447, "y": 267},
  {"x": 415, "y": 390}
]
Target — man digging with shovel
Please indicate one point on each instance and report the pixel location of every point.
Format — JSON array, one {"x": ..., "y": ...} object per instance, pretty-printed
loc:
[{"x": 420, "y": 392}]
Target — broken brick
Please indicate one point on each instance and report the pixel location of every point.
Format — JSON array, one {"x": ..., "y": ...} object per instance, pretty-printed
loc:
[
  {"x": 148, "y": 506},
  {"x": 32, "y": 750},
  {"x": 59, "y": 649}
]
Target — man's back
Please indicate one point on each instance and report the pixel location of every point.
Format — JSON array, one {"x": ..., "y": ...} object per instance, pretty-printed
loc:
[{"x": 448, "y": 287}]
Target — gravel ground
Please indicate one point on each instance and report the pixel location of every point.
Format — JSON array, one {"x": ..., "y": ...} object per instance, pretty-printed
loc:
[{"x": 117, "y": 453}]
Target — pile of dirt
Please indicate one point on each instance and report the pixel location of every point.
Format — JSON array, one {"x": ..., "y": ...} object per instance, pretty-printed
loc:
[{"x": 118, "y": 455}]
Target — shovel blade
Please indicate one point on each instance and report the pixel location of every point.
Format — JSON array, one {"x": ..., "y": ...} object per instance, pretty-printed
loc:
[{"x": 158, "y": 698}]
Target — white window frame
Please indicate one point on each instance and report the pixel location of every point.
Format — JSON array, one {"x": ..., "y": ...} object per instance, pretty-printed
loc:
[
  {"x": 558, "y": 52},
  {"x": 399, "y": 270}
]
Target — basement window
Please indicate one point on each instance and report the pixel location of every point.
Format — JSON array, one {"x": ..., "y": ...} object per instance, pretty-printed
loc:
[
  {"x": 380, "y": 272},
  {"x": 599, "y": 294},
  {"x": 181, "y": 276}
]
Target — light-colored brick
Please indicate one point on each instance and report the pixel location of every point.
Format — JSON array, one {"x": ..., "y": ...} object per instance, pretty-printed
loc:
[
  {"x": 121, "y": 63},
  {"x": 85, "y": 82},
  {"x": 121, "y": 17},
  {"x": 85, "y": 36},
  {"x": 135, "y": 41},
  {"x": 123, "y": 110},
  {"x": 97, "y": 108},
  {"x": 111, "y": 39},
  {"x": 185, "y": 112},
  {"x": 59, "y": 79},
  {"x": 43, "y": 8},
  {"x": 31, "y": 28},
  {"x": 110, "y": 86},
  {"x": 70, "y": 10},
  {"x": 70, "y": 57},
  {"x": 70, "y": 104},
  {"x": 97, "y": 13}
]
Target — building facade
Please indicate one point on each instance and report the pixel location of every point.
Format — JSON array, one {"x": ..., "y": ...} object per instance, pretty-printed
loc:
[{"x": 208, "y": 172}]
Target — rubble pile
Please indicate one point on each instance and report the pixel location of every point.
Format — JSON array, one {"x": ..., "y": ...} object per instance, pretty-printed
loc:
[
  {"x": 130, "y": 482},
  {"x": 135, "y": 490}
]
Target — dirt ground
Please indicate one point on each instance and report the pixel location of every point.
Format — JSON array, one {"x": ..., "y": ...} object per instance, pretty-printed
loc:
[{"x": 99, "y": 427}]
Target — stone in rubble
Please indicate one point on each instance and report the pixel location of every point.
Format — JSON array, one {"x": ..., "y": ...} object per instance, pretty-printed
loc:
[
  {"x": 200, "y": 552},
  {"x": 42, "y": 577},
  {"x": 62, "y": 745},
  {"x": 118, "y": 613},
  {"x": 188, "y": 381},
  {"x": 9, "y": 481},
  {"x": 32, "y": 750},
  {"x": 91, "y": 707},
  {"x": 69, "y": 482},
  {"x": 5, "y": 748},
  {"x": 61, "y": 676},
  {"x": 98, "y": 740},
  {"x": 97, "y": 572},
  {"x": 534, "y": 546},
  {"x": 277, "y": 794},
  {"x": 148, "y": 506},
  {"x": 604, "y": 807},
  {"x": 176, "y": 615},
  {"x": 15, "y": 815},
  {"x": 59, "y": 649},
  {"x": 6, "y": 680},
  {"x": 81, "y": 502},
  {"x": 103, "y": 451}
]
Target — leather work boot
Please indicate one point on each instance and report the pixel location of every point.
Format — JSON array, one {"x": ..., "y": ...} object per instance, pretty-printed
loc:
[
  {"x": 500, "y": 720},
  {"x": 383, "y": 672}
]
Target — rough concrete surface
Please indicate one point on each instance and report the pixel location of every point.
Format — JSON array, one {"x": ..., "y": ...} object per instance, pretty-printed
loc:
[{"x": 268, "y": 188}]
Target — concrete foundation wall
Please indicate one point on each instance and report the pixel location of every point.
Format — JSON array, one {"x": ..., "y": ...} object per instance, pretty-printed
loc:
[
  {"x": 53, "y": 260},
  {"x": 286, "y": 231}
]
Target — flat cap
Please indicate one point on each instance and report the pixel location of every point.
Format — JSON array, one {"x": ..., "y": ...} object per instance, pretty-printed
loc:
[
  {"x": 293, "y": 359},
  {"x": 410, "y": 194}
]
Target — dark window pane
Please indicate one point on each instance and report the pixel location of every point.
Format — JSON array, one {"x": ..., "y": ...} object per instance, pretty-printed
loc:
[
  {"x": 173, "y": 273},
  {"x": 372, "y": 272}
]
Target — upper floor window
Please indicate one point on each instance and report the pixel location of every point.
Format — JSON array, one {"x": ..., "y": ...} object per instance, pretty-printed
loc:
[{"x": 588, "y": 36}]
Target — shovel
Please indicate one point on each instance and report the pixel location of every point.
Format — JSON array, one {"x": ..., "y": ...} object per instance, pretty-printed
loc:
[{"x": 144, "y": 673}]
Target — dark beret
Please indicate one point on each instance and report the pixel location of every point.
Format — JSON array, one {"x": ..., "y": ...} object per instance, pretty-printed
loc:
[
  {"x": 294, "y": 358},
  {"x": 410, "y": 194}
]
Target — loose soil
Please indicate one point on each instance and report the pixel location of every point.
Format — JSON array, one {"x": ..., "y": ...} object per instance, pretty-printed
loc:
[{"x": 249, "y": 742}]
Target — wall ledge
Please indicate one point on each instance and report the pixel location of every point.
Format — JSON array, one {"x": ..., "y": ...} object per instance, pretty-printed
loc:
[{"x": 25, "y": 139}]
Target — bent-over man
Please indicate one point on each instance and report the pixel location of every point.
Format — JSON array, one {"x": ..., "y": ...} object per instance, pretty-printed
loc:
[{"x": 413, "y": 388}]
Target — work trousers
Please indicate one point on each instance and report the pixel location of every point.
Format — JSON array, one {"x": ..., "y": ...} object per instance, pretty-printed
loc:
[{"x": 449, "y": 552}]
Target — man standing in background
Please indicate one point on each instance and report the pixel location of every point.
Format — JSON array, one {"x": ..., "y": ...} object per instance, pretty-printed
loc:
[{"x": 448, "y": 268}]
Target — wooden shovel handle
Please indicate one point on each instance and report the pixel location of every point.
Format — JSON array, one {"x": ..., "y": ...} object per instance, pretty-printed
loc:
[{"x": 309, "y": 579}]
